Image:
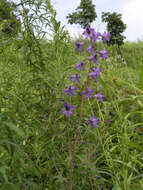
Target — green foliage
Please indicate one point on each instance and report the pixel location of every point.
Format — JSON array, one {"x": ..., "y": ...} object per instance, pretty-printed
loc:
[
  {"x": 9, "y": 23},
  {"x": 115, "y": 27},
  {"x": 84, "y": 15}
]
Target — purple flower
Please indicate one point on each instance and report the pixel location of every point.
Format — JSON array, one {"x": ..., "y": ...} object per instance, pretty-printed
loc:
[
  {"x": 93, "y": 121},
  {"x": 100, "y": 97},
  {"x": 103, "y": 54},
  {"x": 88, "y": 92},
  {"x": 68, "y": 109},
  {"x": 71, "y": 90},
  {"x": 75, "y": 77},
  {"x": 80, "y": 66},
  {"x": 89, "y": 49},
  {"x": 94, "y": 58},
  {"x": 105, "y": 37},
  {"x": 43, "y": 117},
  {"x": 96, "y": 72},
  {"x": 75, "y": 165},
  {"x": 83, "y": 142},
  {"x": 96, "y": 36},
  {"x": 101, "y": 187},
  {"x": 89, "y": 32},
  {"x": 79, "y": 46}
]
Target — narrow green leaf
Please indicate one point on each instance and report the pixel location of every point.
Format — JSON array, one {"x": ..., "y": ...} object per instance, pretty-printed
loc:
[
  {"x": 141, "y": 77},
  {"x": 116, "y": 188},
  {"x": 9, "y": 186},
  {"x": 15, "y": 128}
]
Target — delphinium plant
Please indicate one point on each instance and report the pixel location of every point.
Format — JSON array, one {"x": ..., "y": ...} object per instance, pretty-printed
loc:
[{"x": 83, "y": 90}]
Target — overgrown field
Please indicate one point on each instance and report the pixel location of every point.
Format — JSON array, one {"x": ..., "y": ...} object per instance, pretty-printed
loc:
[{"x": 37, "y": 141}]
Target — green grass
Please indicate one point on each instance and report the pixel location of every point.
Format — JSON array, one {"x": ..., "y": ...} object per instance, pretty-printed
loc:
[{"x": 36, "y": 153}]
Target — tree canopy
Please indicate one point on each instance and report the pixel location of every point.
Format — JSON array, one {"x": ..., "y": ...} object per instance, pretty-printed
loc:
[
  {"x": 9, "y": 23},
  {"x": 84, "y": 14},
  {"x": 115, "y": 27}
]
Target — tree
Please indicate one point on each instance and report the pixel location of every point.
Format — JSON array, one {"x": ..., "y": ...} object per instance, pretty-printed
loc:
[
  {"x": 9, "y": 23},
  {"x": 115, "y": 27},
  {"x": 84, "y": 15}
]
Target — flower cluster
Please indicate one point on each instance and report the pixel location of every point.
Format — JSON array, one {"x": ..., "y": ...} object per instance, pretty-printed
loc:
[{"x": 93, "y": 72}]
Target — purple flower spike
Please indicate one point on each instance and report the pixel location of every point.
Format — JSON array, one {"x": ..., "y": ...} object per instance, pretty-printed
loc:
[
  {"x": 71, "y": 90},
  {"x": 105, "y": 37},
  {"x": 88, "y": 92},
  {"x": 79, "y": 46},
  {"x": 75, "y": 77},
  {"x": 94, "y": 58},
  {"x": 100, "y": 97},
  {"x": 68, "y": 109},
  {"x": 93, "y": 122},
  {"x": 103, "y": 54},
  {"x": 80, "y": 66}
]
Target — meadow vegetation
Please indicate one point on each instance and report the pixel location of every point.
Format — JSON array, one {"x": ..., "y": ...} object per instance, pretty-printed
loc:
[{"x": 37, "y": 141}]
